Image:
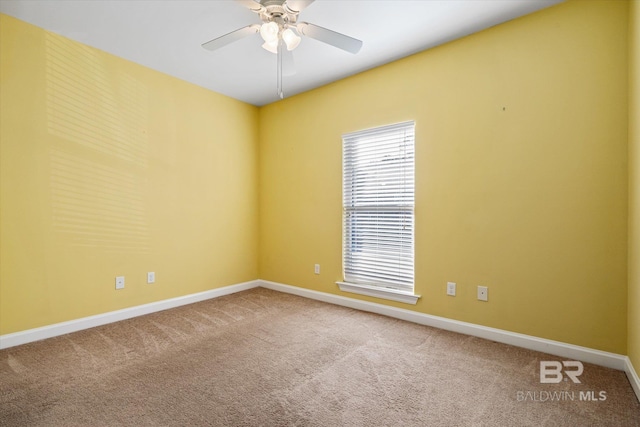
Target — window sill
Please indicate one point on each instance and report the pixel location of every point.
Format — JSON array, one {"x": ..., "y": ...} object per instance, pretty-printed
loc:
[{"x": 374, "y": 291}]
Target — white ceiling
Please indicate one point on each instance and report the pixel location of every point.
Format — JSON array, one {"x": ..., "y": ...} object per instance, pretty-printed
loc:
[{"x": 166, "y": 35}]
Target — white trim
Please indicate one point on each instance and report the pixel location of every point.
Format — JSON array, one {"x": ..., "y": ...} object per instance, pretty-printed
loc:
[
  {"x": 378, "y": 292},
  {"x": 557, "y": 348},
  {"x": 31, "y": 335},
  {"x": 634, "y": 379},
  {"x": 570, "y": 351}
]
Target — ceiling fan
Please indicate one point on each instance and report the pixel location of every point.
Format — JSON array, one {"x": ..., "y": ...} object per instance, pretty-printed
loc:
[{"x": 281, "y": 32}]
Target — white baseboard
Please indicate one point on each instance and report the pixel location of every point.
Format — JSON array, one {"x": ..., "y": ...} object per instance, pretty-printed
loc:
[
  {"x": 557, "y": 348},
  {"x": 634, "y": 379},
  {"x": 569, "y": 351},
  {"x": 36, "y": 334}
]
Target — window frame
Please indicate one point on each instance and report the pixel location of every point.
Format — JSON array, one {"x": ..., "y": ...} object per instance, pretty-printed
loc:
[{"x": 385, "y": 268}]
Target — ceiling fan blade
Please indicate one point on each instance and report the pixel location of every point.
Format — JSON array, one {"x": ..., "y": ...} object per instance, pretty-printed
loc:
[
  {"x": 288, "y": 64},
  {"x": 298, "y": 5},
  {"x": 250, "y": 4},
  {"x": 324, "y": 35},
  {"x": 231, "y": 37}
]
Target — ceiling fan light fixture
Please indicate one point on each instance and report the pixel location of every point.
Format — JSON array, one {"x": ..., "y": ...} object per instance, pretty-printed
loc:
[
  {"x": 291, "y": 39},
  {"x": 271, "y": 46},
  {"x": 269, "y": 32}
]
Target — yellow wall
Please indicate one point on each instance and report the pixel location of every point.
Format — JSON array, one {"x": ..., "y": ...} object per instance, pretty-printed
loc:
[
  {"x": 634, "y": 185},
  {"x": 521, "y": 180},
  {"x": 109, "y": 168}
]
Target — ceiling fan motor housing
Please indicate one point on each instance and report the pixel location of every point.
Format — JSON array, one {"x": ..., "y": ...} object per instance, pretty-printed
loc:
[{"x": 277, "y": 11}]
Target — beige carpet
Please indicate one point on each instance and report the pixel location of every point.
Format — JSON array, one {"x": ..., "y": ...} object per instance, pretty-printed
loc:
[{"x": 263, "y": 358}]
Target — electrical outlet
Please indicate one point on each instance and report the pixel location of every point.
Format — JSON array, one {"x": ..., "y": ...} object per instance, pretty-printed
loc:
[
  {"x": 151, "y": 277},
  {"x": 451, "y": 289},
  {"x": 483, "y": 293},
  {"x": 316, "y": 269},
  {"x": 120, "y": 282}
]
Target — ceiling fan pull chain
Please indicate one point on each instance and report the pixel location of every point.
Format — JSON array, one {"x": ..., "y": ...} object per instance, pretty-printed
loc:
[{"x": 279, "y": 68}]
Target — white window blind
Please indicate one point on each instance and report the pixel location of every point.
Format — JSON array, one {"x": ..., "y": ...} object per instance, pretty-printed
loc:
[{"x": 378, "y": 206}]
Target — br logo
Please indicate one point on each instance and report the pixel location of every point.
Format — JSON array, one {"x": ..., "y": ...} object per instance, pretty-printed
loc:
[{"x": 552, "y": 371}]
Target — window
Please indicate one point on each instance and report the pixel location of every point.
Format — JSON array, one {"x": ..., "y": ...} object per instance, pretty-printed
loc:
[{"x": 378, "y": 212}]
